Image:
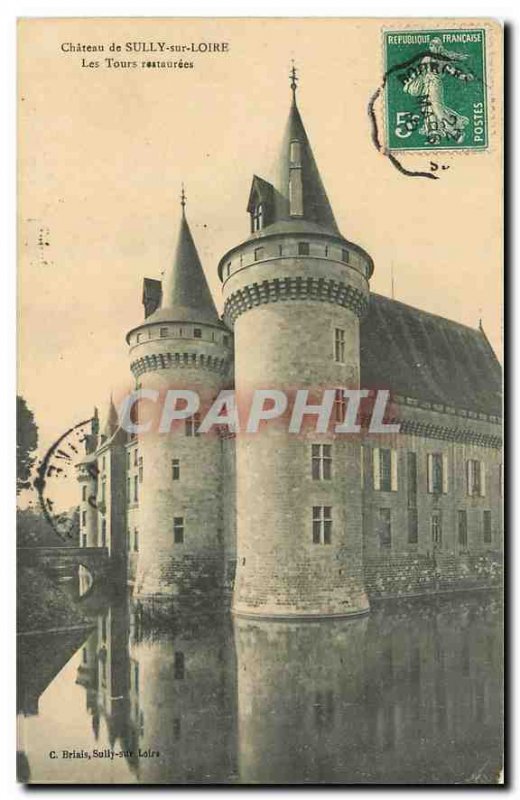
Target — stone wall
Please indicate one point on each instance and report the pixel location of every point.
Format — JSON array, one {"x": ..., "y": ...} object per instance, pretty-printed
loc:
[{"x": 404, "y": 567}]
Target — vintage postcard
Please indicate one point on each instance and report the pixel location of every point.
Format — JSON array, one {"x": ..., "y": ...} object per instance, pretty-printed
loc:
[{"x": 260, "y": 472}]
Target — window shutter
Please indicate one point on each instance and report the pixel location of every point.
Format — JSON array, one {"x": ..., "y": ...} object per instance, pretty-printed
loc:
[
  {"x": 376, "y": 469},
  {"x": 445, "y": 473},
  {"x": 430, "y": 472},
  {"x": 469, "y": 475},
  {"x": 482, "y": 465},
  {"x": 393, "y": 470}
]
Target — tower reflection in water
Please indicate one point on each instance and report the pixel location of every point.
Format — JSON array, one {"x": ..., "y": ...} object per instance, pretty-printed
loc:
[
  {"x": 410, "y": 694},
  {"x": 166, "y": 692}
]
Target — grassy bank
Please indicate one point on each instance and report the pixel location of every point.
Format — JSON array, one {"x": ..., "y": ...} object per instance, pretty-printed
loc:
[{"x": 43, "y": 605}]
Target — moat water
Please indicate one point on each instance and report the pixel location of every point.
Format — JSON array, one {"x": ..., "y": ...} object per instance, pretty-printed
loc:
[{"x": 411, "y": 693}]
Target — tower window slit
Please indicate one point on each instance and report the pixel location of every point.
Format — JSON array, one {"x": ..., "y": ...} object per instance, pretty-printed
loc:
[
  {"x": 463, "y": 528},
  {"x": 176, "y": 469},
  {"x": 339, "y": 345},
  {"x": 178, "y": 530},
  {"x": 178, "y": 666}
]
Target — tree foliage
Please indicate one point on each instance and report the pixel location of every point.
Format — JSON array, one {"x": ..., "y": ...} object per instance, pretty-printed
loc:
[{"x": 26, "y": 444}]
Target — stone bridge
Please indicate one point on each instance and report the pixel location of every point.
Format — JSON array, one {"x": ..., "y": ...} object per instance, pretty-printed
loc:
[{"x": 61, "y": 561}]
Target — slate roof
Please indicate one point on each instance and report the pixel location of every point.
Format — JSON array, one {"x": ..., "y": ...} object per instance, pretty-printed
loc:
[
  {"x": 417, "y": 354},
  {"x": 317, "y": 210},
  {"x": 186, "y": 294}
]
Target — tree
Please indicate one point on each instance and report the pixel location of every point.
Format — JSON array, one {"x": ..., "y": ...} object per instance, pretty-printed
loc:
[{"x": 26, "y": 444}]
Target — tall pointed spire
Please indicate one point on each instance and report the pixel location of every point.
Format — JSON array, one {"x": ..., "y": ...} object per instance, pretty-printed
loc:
[
  {"x": 300, "y": 192},
  {"x": 296, "y": 196},
  {"x": 186, "y": 294},
  {"x": 112, "y": 419}
]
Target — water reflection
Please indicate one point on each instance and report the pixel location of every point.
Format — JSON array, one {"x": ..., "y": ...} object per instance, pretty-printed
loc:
[{"x": 408, "y": 694}]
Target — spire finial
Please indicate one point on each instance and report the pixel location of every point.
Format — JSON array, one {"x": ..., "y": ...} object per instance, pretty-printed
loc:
[
  {"x": 183, "y": 199},
  {"x": 294, "y": 79}
]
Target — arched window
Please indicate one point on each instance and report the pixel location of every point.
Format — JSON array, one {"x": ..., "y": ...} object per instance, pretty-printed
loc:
[{"x": 257, "y": 217}]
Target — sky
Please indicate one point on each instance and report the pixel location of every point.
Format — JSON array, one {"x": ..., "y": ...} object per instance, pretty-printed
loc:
[{"x": 103, "y": 151}]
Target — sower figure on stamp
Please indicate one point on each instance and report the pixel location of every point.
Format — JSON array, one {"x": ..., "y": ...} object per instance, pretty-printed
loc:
[{"x": 440, "y": 121}]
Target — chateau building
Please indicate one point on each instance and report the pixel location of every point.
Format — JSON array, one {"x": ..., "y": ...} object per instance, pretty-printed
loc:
[{"x": 314, "y": 524}]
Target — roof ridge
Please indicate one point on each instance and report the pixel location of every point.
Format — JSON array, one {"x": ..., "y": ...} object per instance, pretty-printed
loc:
[{"x": 423, "y": 311}]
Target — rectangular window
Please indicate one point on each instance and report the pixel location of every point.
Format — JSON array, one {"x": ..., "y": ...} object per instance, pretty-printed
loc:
[
  {"x": 486, "y": 520},
  {"x": 321, "y": 524},
  {"x": 84, "y": 540},
  {"x": 192, "y": 425},
  {"x": 345, "y": 256},
  {"x": 411, "y": 466},
  {"x": 197, "y": 333},
  {"x": 225, "y": 340},
  {"x": 128, "y": 491},
  {"x": 476, "y": 478},
  {"x": 104, "y": 533},
  {"x": 385, "y": 469},
  {"x": 259, "y": 253},
  {"x": 136, "y": 457},
  {"x": 462, "y": 519},
  {"x": 385, "y": 528},
  {"x": 178, "y": 530},
  {"x": 321, "y": 462},
  {"x": 303, "y": 248},
  {"x": 83, "y": 518},
  {"x": 83, "y": 492},
  {"x": 437, "y": 468},
  {"x": 163, "y": 332},
  {"x": 103, "y": 464},
  {"x": 136, "y": 489},
  {"x": 141, "y": 469},
  {"x": 412, "y": 526},
  {"x": 340, "y": 406},
  {"x": 128, "y": 458},
  {"x": 436, "y": 529},
  {"x": 176, "y": 469},
  {"x": 136, "y": 541},
  {"x": 339, "y": 345},
  {"x": 103, "y": 490},
  {"x": 178, "y": 666}
]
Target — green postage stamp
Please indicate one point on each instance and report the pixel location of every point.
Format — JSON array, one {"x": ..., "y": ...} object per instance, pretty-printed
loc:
[{"x": 436, "y": 89}]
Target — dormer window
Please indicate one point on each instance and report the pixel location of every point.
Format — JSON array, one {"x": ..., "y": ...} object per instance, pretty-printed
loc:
[
  {"x": 257, "y": 218},
  {"x": 260, "y": 205}
]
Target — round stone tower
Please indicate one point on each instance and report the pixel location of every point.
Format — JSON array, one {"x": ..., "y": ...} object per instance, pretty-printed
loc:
[
  {"x": 174, "y": 479},
  {"x": 294, "y": 292}
]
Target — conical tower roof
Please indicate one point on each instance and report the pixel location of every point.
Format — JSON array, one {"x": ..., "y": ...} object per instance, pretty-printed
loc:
[
  {"x": 111, "y": 421},
  {"x": 316, "y": 207},
  {"x": 186, "y": 294}
]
